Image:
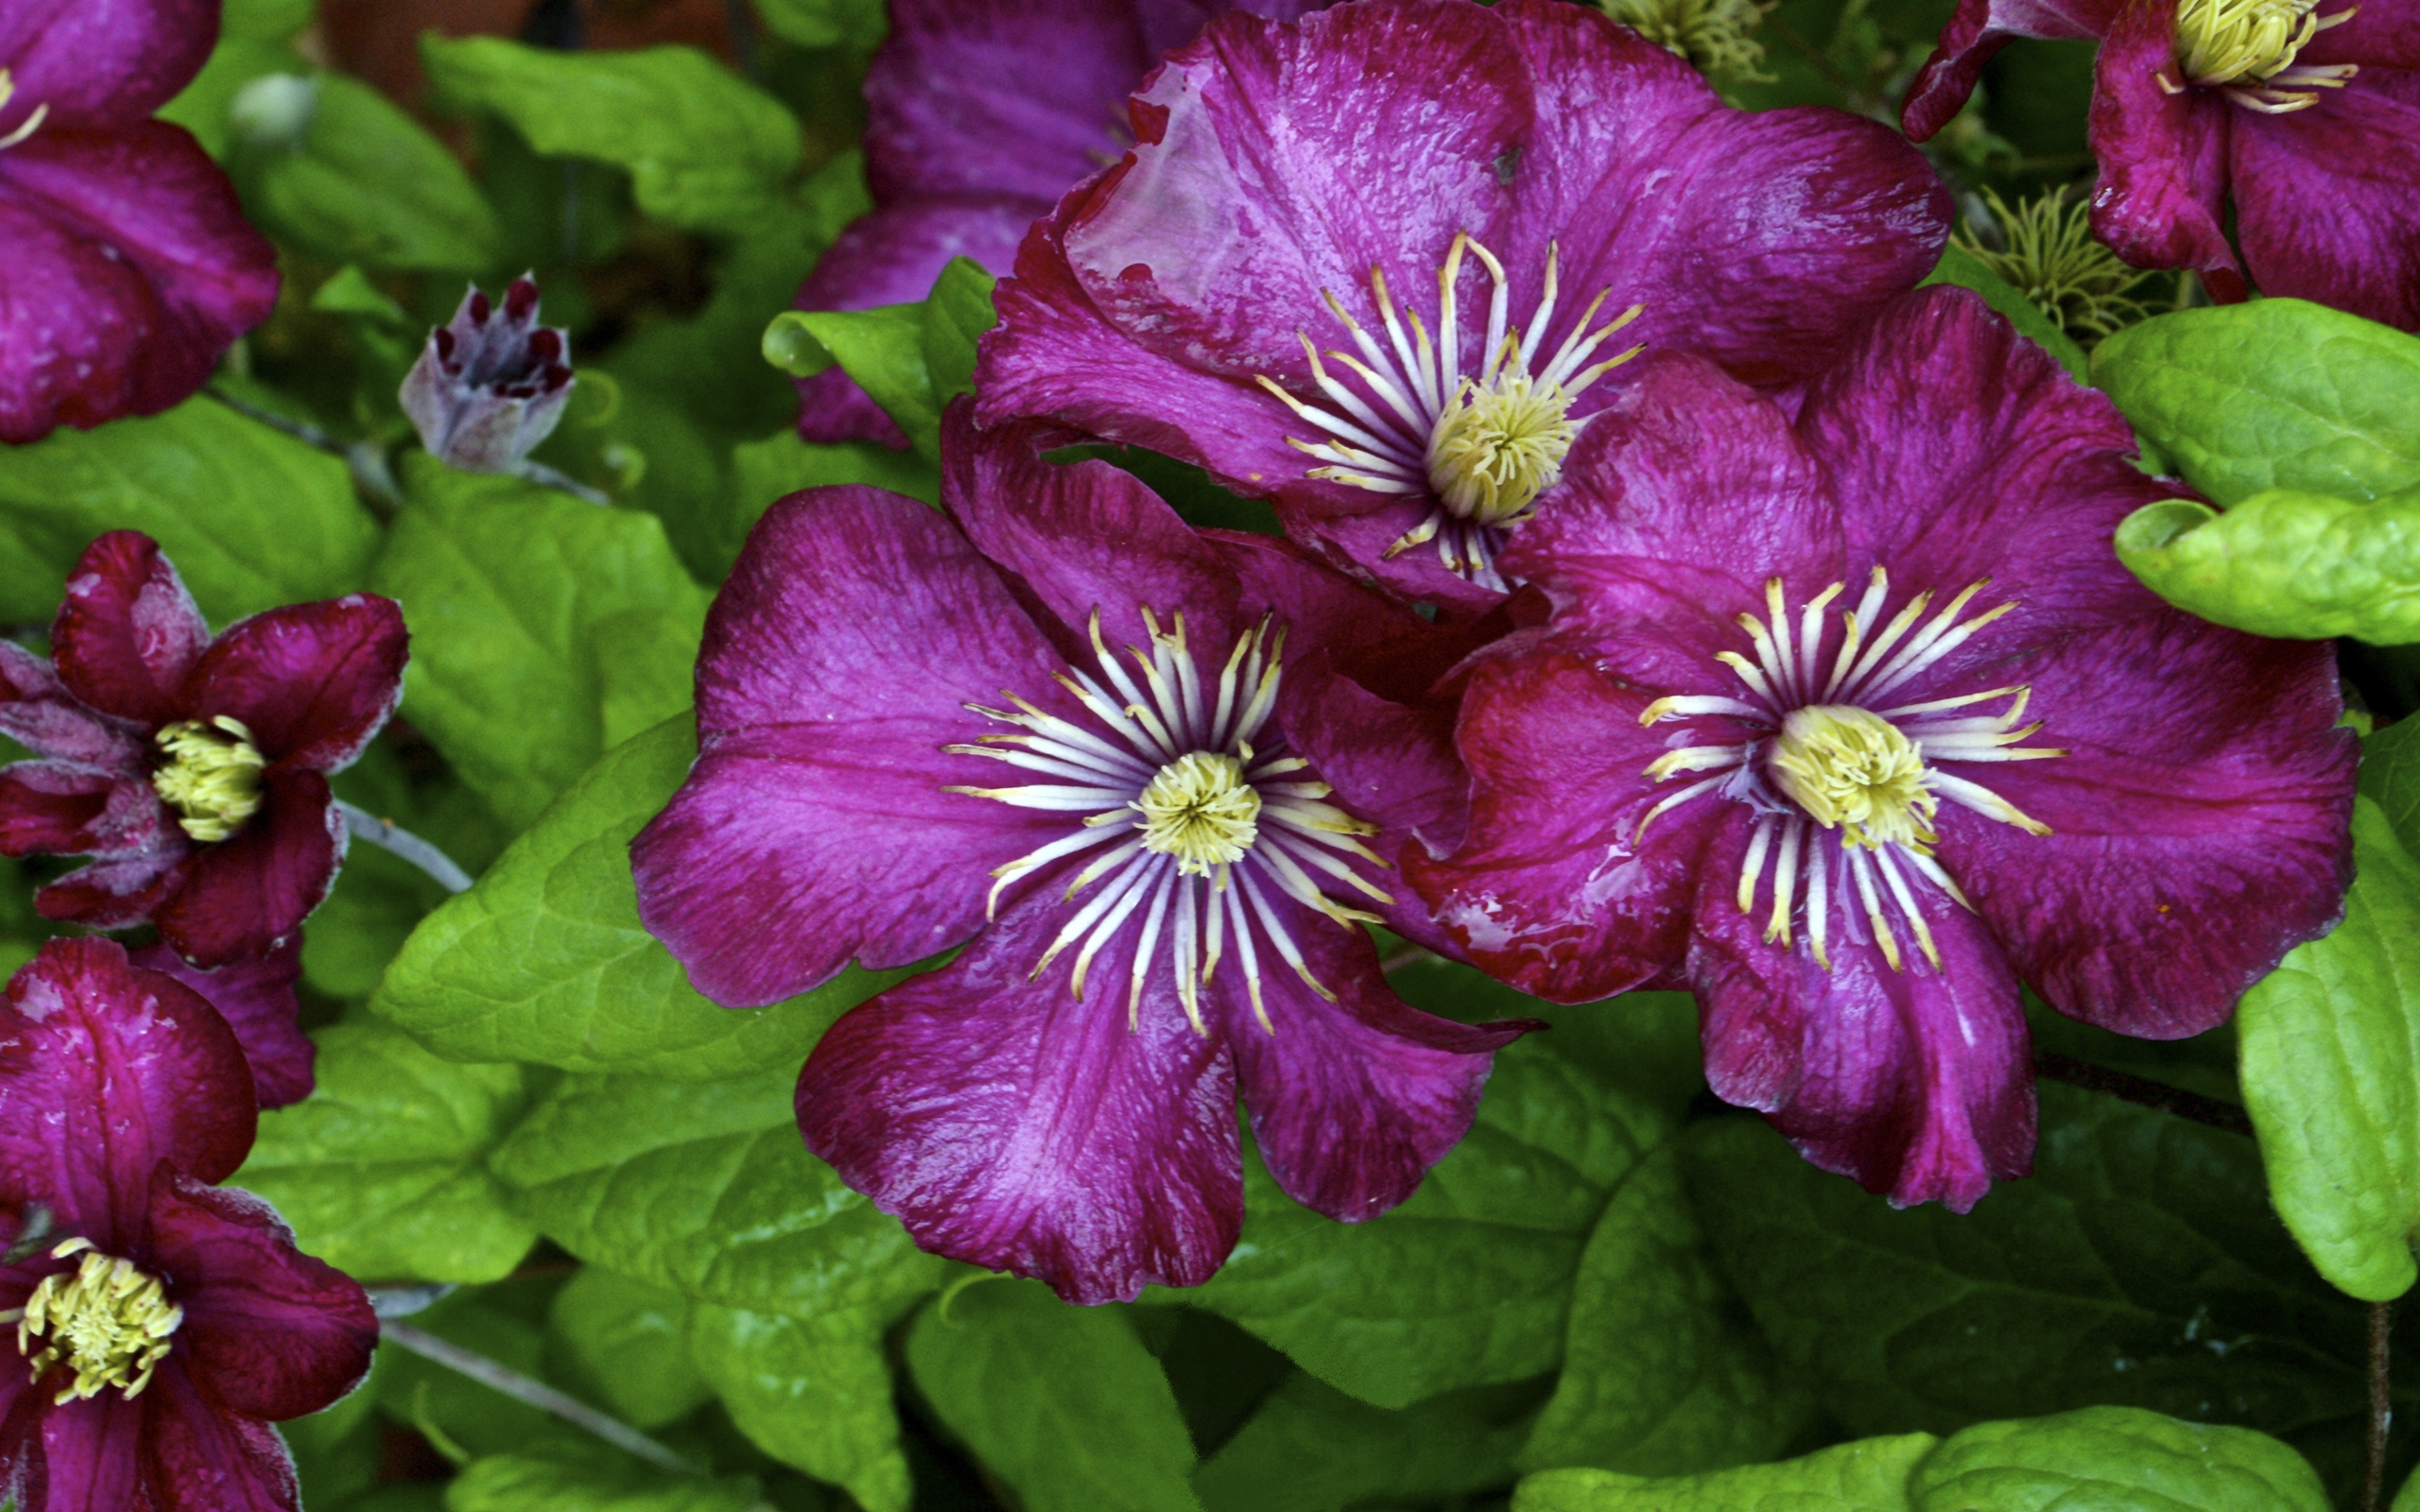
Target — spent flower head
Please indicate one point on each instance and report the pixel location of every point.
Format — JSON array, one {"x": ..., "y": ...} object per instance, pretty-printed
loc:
[{"x": 2045, "y": 250}]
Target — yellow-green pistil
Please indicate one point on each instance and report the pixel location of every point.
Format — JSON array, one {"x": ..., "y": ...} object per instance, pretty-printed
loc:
[
  {"x": 211, "y": 776},
  {"x": 1851, "y": 771},
  {"x": 2248, "y": 48},
  {"x": 107, "y": 1320},
  {"x": 1200, "y": 809}
]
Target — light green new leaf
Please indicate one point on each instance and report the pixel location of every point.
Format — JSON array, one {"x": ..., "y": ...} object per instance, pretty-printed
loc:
[
  {"x": 856, "y": 25},
  {"x": 2390, "y": 778},
  {"x": 252, "y": 517},
  {"x": 626, "y": 1342},
  {"x": 2274, "y": 394},
  {"x": 956, "y": 312},
  {"x": 1310, "y": 1448},
  {"x": 2298, "y": 566},
  {"x": 544, "y": 631},
  {"x": 1061, "y": 1402},
  {"x": 2331, "y": 1075},
  {"x": 705, "y": 149},
  {"x": 782, "y": 464},
  {"x": 381, "y": 1171},
  {"x": 707, "y": 1190},
  {"x": 545, "y": 960},
  {"x": 2114, "y": 1459},
  {"x": 1963, "y": 269},
  {"x": 1469, "y": 1281},
  {"x": 883, "y": 349},
  {"x": 365, "y": 184},
  {"x": 1663, "y": 1373},
  {"x": 528, "y": 1483},
  {"x": 813, "y": 1393},
  {"x": 1869, "y": 1475}
]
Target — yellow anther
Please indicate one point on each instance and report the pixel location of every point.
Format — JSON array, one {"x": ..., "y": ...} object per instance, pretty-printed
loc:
[
  {"x": 1200, "y": 809},
  {"x": 212, "y": 777},
  {"x": 1853, "y": 771},
  {"x": 1498, "y": 447},
  {"x": 109, "y": 1322},
  {"x": 2220, "y": 42}
]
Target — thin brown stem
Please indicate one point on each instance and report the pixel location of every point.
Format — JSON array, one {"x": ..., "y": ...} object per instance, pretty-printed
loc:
[
  {"x": 2381, "y": 1405},
  {"x": 2051, "y": 1066}
]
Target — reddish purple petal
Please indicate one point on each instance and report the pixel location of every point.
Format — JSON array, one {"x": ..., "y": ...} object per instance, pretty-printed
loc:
[
  {"x": 200, "y": 1458},
  {"x": 113, "y": 894},
  {"x": 244, "y": 895},
  {"x": 49, "y": 808},
  {"x": 256, "y": 998},
  {"x": 37, "y": 712},
  {"x": 128, "y": 631},
  {"x": 2163, "y": 157},
  {"x": 1917, "y": 1083},
  {"x": 89, "y": 1456},
  {"x": 103, "y": 63},
  {"x": 1353, "y": 1100},
  {"x": 105, "y": 1072},
  {"x": 269, "y": 1332},
  {"x": 1980, "y": 29},
  {"x": 2323, "y": 198},
  {"x": 838, "y": 662},
  {"x": 1011, "y": 1125},
  {"x": 313, "y": 683},
  {"x": 132, "y": 268}
]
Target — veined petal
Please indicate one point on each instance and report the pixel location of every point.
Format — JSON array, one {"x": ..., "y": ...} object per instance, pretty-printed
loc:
[
  {"x": 2322, "y": 196},
  {"x": 128, "y": 633},
  {"x": 246, "y": 895},
  {"x": 313, "y": 683},
  {"x": 256, "y": 998},
  {"x": 2162, "y": 154}
]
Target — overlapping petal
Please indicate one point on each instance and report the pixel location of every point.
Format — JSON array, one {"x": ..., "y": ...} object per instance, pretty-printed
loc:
[
  {"x": 128, "y": 633},
  {"x": 104, "y": 62},
  {"x": 244, "y": 895},
  {"x": 256, "y": 998},
  {"x": 313, "y": 683}
]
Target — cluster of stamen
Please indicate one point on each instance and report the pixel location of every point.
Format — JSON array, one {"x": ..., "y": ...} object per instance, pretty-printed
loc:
[
  {"x": 2248, "y": 48},
  {"x": 107, "y": 1321},
  {"x": 1846, "y": 786},
  {"x": 1482, "y": 445},
  {"x": 1189, "y": 808},
  {"x": 212, "y": 777},
  {"x": 25, "y": 127}
]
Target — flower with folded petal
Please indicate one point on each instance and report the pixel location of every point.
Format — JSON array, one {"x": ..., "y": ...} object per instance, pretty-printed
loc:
[
  {"x": 193, "y": 769},
  {"x": 1383, "y": 266},
  {"x": 1858, "y": 722},
  {"x": 491, "y": 383},
  {"x": 2269, "y": 108},
  {"x": 1053, "y": 727},
  {"x": 159, "y": 1322},
  {"x": 980, "y": 114},
  {"x": 131, "y": 266}
]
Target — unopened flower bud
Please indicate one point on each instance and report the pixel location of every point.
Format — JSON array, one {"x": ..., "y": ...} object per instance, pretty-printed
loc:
[{"x": 491, "y": 383}]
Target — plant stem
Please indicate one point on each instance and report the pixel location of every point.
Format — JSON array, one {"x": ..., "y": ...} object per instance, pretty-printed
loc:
[
  {"x": 537, "y": 1394},
  {"x": 364, "y": 825},
  {"x": 2174, "y": 1100},
  {"x": 546, "y": 477},
  {"x": 2381, "y": 1405}
]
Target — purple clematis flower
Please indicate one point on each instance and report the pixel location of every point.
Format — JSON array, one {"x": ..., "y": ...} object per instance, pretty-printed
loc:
[
  {"x": 1860, "y": 722},
  {"x": 160, "y": 1322},
  {"x": 1381, "y": 266},
  {"x": 2305, "y": 115},
  {"x": 256, "y": 998},
  {"x": 1054, "y": 727},
  {"x": 491, "y": 383},
  {"x": 193, "y": 768},
  {"x": 131, "y": 266},
  {"x": 980, "y": 114}
]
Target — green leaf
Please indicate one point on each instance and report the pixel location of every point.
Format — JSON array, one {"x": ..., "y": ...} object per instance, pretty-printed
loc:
[
  {"x": 813, "y": 1393},
  {"x": 782, "y": 464},
  {"x": 504, "y": 1322},
  {"x": 2274, "y": 394},
  {"x": 1664, "y": 1374},
  {"x": 2118, "y": 1458},
  {"x": 202, "y": 107},
  {"x": 1469, "y": 1281},
  {"x": 1963, "y": 269},
  {"x": 626, "y": 1342},
  {"x": 855, "y": 25},
  {"x": 2298, "y": 566},
  {"x": 1061, "y": 1402},
  {"x": 956, "y": 312},
  {"x": 1310, "y": 1448},
  {"x": 252, "y": 517},
  {"x": 381, "y": 1171},
  {"x": 544, "y": 631},
  {"x": 1646, "y": 1043},
  {"x": 2390, "y": 779},
  {"x": 705, "y": 149},
  {"x": 883, "y": 349},
  {"x": 708, "y": 1190},
  {"x": 545, "y": 960},
  {"x": 1869, "y": 1475},
  {"x": 527, "y": 1483},
  {"x": 364, "y": 182},
  {"x": 2331, "y": 1075},
  {"x": 265, "y": 20}
]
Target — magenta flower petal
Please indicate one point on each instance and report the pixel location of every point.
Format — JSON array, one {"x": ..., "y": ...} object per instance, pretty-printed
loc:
[
  {"x": 199, "y": 1457},
  {"x": 2163, "y": 155},
  {"x": 50, "y": 807},
  {"x": 824, "y": 705},
  {"x": 313, "y": 683},
  {"x": 1010, "y": 1123},
  {"x": 128, "y": 631},
  {"x": 91, "y": 1456},
  {"x": 1980, "y": 29},
  {"x": 106, "y": 1070},
  {"x": 113, "y": 894},
  {"x": 2364, "y": 144},
  {"x": 106, "y": 65},
  {"x": 245, "y": 896},
  {"x": 256, "y": 998},
  {"x": 270, "y": 1331}
]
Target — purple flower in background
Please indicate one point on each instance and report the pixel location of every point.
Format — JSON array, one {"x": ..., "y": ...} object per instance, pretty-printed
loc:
[
  {"x": 162, "y": 1322},
  {"x": 1054, "y": 728},
  {"x": 980, "y": 114},
  {"x": 130, "y": 267},
  {"x": 1860, "y": 722},
  {"x": 491, "y": 383},
  {"x": 193, "y": 768},
  {"x": 256, "y": 998},
  {"x": 1379, "y": 266},
  {"x": 2304, "y": 116}
]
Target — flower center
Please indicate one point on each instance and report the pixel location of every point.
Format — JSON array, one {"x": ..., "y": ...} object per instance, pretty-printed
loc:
[
  {"x": 1716, "y": 36},
  {"x": 1187, "y": 811},
  {"x": 107, "y": 1321},
  {"x": 1851, "y": 771},
  {"x": 1477, "y": 433},
  {"x": 1200, "y": 809},
  {"x": 212, "y": 777},
  {"x": 2049, "y": 252},
  {"x": 25, "y": 127},
  {"x": 2248, "y": 48}
]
